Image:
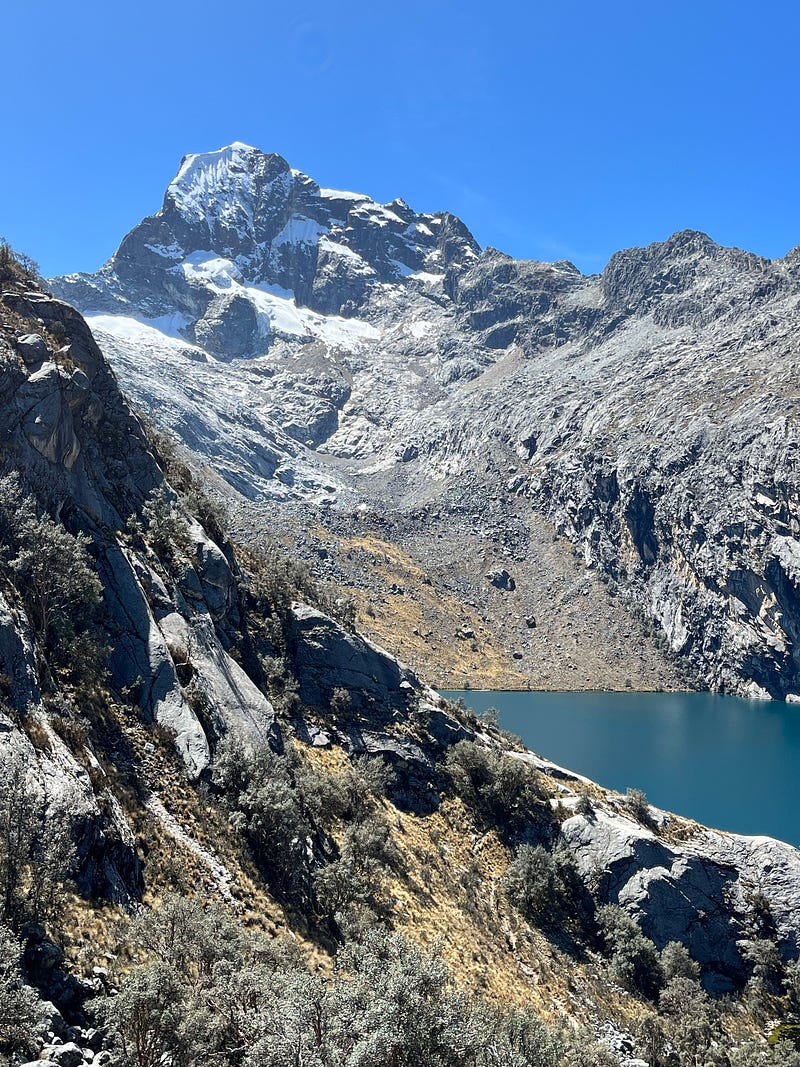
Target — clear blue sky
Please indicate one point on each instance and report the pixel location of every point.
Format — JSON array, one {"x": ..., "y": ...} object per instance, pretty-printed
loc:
[{"x": 566, "y": 128}]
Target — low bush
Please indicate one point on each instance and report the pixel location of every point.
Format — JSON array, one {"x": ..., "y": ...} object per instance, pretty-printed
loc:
[
  {"x": 504, "y": 792},
  {"x": 258, "y": 789},
  {"x": 546, "y": 887},
  {"x": 386, "y": 1002},
  {"x": 20, "y": 1009},
  {"x": 635, "y": 962},
  {"x": 638, "y": 806},
  {"x": 36, "y": 848}
]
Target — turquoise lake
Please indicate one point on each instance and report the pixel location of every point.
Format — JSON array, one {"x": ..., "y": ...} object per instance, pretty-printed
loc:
[{"x": 729, "y": 763}]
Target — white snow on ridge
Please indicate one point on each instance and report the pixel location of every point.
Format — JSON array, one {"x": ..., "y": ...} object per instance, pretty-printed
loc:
[
  {"x": 172, "y": 251},
  {"x": 198, "y": 160},
  {"x": 425, "y": 276},
  {"x": 208, "y": 268},
  {"x": 299, "y": 230},
  {"x": 276, "y": 310},
  {"x": 148, "y": 335},
  {"x": 341, "y": 194},
  {"x": 358, "y": 264},
  {"x": 215, "y": 185},
  {"x": 419, "y": 328},
  {"x": 377, "y": 213},
  {"x": 339, "y": 250},
  {"x": 281, "y": 315}
]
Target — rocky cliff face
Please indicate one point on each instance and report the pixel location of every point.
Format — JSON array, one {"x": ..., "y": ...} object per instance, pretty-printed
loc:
[
  {"x": 173, "y": 615},
  {"x": 313, "y": 345}
]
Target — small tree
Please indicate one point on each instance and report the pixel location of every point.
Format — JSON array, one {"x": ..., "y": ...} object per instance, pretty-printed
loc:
[
  {"x": 165, "y": 526},
  {"x": 546, "y": 886},
  {"x": 491, "y": 718},
  {"x": 767, "y": 967},
  {"x": 54, "y": 571},
  {"x": 146, "y": 1017},
  {"x": 635, "y": 962},
  {"x": 530, "y": 883},
  {"x": 637, "y": 805},
  {"x": 585, "y": 805},
  {"x": 677, "y": 963},
  {"x": 368, "y": 856},
  {"x": 188, "y": 938},
  {"x": 36, "y": 851},
  {"x": 265, "y": 805},
  {"x": 504, "y": 792},
  {"x": 791, "y": 984},
  {"x": 693, "y": 1016},
  {"x": 20, "y": 1009}
]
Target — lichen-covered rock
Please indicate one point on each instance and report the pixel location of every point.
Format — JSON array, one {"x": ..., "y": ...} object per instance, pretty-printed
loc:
[{"x": 699, "y": 891}]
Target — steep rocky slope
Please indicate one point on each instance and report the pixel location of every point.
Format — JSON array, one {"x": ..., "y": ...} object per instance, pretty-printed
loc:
[{"x": 315, "y": 346}]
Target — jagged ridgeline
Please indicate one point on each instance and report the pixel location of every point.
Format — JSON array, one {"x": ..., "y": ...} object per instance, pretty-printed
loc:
[{"x": 375, "y": 368}]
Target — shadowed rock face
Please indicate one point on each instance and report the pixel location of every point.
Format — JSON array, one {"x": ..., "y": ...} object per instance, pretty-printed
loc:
[
  {"x": 698, "y": 891},
  {"x": 327, "y": 657},
  {"x": 649, "y": 413},
  {"x": 72, "y": 440},
  {"x": 107, "y": 862}
]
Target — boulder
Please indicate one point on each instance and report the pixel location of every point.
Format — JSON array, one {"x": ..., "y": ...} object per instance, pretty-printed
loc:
[
  {"x": 327, "y": 657},
  {"x": 696, "y": 891},
  {"x": 501, "y": 579},
  {"x": 46, "y": 414},
  {"x": 67, "y": 1055},
  {"x": 33, "y": 349}
]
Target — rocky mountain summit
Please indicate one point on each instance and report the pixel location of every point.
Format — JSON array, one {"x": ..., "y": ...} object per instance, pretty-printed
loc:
[{"x": 314, "y": 346}]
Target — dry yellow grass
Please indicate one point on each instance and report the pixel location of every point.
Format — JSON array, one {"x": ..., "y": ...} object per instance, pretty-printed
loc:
[
  {"x": 422, "y": 626},
  {"x": 449, "y": 896}
]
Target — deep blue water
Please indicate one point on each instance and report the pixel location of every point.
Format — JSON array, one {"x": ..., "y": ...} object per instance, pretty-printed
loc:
[{"x": 729, "y": 763}]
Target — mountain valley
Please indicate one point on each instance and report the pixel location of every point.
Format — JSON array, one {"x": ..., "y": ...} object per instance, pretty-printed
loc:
[
  {"x": 370, "y": 366},
  {"x": 287, "y": 462}
]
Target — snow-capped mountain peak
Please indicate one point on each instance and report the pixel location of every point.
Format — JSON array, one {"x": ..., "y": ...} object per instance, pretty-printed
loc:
[
  {"x": 215, "y": 184},
  {"x": 240, "y": 219}
]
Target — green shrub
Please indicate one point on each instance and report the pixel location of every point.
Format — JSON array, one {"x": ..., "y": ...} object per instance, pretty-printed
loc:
[
  {"x": 258, "y": 788},
  {"x": 165, "y": 525},
  {"x": 638, "y": 807},
  {"x": 585, "y": 805},
  {"x": 147, "y": 1018},
  {"x": 504, "y": 792},
  {"x": 677, "y": 963},
  {"x": 767, "y": 968},
  {"x": 257, "y": 1005},
  {"x": 36, "y": 849},
  {"x": 635, "y": 962},
  {"x": 693, "y": 1018},
  {"x": 55, "y": 576},
  {"x": 545, "y": 886},
  {"x": 20, "y": 1009},
  {"x": 367, "y": 857}
]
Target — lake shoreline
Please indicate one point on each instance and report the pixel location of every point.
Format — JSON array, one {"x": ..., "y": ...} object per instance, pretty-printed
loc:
[{"x": 723, "y": 761}]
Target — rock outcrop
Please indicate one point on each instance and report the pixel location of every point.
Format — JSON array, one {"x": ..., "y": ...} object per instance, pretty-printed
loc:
[
  {"x": 701, "y": 892},
  {"x": 72, "y": 441}
]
